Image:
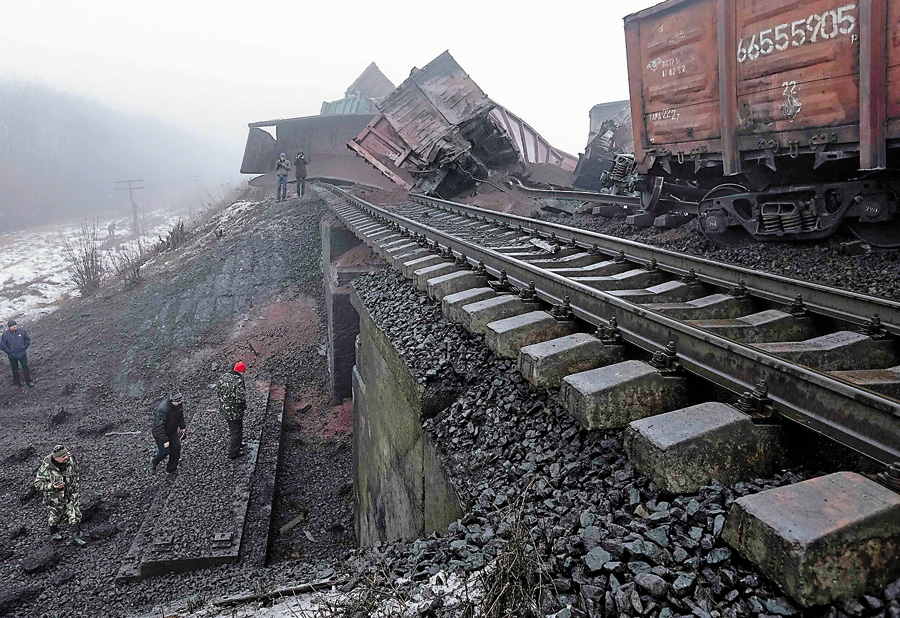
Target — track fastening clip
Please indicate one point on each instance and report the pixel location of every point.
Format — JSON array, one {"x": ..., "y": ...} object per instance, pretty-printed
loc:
[
  {"x": 757, "y": 403},
  {"x": 666, "y": 361},
  {"x": 609, "y": 334}
]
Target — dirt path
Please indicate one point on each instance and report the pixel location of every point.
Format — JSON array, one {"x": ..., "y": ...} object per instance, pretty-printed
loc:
[{"x": 102, "y": 363}]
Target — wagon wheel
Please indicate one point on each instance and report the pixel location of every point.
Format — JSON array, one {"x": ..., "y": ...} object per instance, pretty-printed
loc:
[
  {"x": 651, "y": 193},
  {"x": 712, "y": 220},
  {"x": 883, "y": 234}
]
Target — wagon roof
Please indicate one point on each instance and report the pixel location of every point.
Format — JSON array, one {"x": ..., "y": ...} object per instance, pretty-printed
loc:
[{"x": 653, "y": 10}]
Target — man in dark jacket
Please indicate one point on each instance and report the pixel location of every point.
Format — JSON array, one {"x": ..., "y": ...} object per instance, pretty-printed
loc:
[
  {"x": 167, "y": 429},
  {"x": 232, "y": 402},
  {"x": 14, "y": 342},
  {"x": 300, "y": 163}
]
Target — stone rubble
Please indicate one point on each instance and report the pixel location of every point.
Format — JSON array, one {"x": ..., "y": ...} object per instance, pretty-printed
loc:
[
  {"x": 610, "y": 542},
  {"x": 824, "y": 261}
]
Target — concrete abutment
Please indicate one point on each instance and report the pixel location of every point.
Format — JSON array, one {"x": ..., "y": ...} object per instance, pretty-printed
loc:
[
  {"x": 344, "y": 257},
  {"x": 400, "y": 488}
]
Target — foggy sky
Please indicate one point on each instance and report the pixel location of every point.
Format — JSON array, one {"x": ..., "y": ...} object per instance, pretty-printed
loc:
[{"x": 212, "y": 66}]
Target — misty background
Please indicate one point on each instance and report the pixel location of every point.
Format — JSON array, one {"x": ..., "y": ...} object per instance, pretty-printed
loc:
[
  {"x": 94, "y": 91},
  {"x": 60, "y": 155}
]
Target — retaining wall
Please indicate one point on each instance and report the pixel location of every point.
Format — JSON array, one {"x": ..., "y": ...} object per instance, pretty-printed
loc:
[{"x": 400, "y": 488}]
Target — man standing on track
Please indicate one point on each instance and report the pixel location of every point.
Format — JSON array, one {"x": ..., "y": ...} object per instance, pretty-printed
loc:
[
  {"x": 232, "y": 397},
  {"x": 300, "y": 163},
  {"x": 15, "y": 342},
  {"x": 168, "y": 429},
  {"x": 282, "y": 166}
]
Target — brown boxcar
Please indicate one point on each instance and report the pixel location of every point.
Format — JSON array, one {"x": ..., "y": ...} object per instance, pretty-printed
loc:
[{"x": 764, "y": 95}]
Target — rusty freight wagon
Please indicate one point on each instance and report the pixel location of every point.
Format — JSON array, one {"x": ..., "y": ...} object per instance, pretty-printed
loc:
[
  {"x": 786, "y": 113},
  {"x": 438, "y": 132}
]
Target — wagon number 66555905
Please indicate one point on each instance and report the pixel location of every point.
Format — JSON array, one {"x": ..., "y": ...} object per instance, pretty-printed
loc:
[{"x": 828, "y": 25}]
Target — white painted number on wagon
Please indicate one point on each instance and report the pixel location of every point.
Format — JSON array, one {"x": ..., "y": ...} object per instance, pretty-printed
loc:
[
  {"x": 816, "y": 27},
  {"x": 666, "y": 114}
]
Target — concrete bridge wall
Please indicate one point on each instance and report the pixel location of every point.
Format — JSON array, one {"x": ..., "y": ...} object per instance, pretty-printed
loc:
[{"x": 400, "y": 489}]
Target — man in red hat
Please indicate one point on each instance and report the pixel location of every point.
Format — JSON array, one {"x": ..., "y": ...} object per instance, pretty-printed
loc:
[{"x": 232, "y": 404}]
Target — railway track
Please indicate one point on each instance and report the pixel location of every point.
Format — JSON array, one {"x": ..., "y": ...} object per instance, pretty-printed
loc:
[
  {"x": 821, "y": 357},
  {"x": 650, "y": 200}
]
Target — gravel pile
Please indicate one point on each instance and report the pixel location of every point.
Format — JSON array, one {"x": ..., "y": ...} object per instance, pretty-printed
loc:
[
  {"x": 611, "y": 545},
  {"x": 323, "y": 502}
]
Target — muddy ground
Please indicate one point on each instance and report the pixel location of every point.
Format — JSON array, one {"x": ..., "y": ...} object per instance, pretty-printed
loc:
[{"x": 100, "y": 365}]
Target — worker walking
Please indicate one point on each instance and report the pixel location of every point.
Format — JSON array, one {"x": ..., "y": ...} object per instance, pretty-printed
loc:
[
  {"x": 57, "y": 479},
  {"x": 232, "y": 397},
  {"x": 168, "y": 429},
  {"x": 300, "y": 163},
  {"x": 282, "y": 167},
  {"x": 15, "y": 342}
]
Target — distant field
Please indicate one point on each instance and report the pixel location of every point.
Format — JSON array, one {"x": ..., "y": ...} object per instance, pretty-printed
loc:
[{"x": 33, "y": 278}]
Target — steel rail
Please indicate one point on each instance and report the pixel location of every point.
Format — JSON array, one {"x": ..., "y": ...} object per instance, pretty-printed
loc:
[
  {"x": 856, "y": 418},
  {"x": 840, "y": 304},
  {"x": 583, "y": 196},
  {"x": 626, "y": 201}
]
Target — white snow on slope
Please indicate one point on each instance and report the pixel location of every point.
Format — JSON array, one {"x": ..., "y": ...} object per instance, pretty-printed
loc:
[{"x": 33, "y": 277}]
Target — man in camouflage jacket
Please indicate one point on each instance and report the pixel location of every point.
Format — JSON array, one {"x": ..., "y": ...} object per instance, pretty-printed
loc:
[
  {"x": 57, "y": 479},
  {"x": 232, "y": 403}
]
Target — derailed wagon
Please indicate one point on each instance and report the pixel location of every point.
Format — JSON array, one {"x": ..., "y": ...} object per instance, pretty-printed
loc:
[
  {"x": 785, "y": 114},
  {"x": 438, "y": 132}
]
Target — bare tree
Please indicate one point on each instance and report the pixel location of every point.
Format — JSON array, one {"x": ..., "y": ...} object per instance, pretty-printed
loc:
[
  {"x": 127, "y": 262},
  {"x": 175, "y": 238},
  {"x": 84, "y": 261}
]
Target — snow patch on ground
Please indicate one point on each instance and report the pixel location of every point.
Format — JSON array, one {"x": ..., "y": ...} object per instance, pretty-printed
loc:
[
  {"x": 235, "y": 210},
  {"x": 443, "y": 590},
  {"x": 33, "y": 277},
  {"x": 226, "y": 221}
]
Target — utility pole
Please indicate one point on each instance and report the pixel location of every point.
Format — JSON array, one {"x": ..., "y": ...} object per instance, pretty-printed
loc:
[
  {"x": 196, "y": 195},
  {"x": 131, "y": 188}
]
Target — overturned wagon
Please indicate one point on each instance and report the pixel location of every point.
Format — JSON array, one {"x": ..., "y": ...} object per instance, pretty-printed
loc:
[
  {"x": 787, "y": 115},
  {"x": 438, "y": 132}
]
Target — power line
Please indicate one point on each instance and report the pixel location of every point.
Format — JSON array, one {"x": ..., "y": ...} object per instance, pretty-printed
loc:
[{"x": 131, "y": 188}]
